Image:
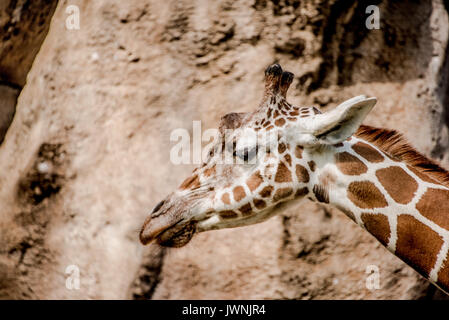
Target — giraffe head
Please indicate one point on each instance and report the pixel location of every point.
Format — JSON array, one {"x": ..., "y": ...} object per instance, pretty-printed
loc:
[{"x": 256, "y": 164}]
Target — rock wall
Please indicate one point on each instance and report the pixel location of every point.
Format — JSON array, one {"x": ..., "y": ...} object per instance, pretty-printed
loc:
[
  {"x": 23, "y": 26},
  {"x": 87, "y": 153},
  {"x": 8, "y": 100}
]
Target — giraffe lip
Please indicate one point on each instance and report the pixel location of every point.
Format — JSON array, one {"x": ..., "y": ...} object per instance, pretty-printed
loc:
[
  {"x": 177, "y": 235},
  {"x": 153, "y": 231}
]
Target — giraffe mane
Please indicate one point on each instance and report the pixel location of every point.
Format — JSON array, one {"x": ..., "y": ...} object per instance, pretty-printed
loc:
[{"x": 395, "y": 145}]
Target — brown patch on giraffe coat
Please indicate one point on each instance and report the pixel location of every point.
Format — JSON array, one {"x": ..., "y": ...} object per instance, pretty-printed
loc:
[
  {"x": 302, "y": 174},
  {"x": 192, "y": 182},
  {"x": 254, "y": 181},
  {"x": 246, "y": 209},
  {"x": 228, "y": 214},
  {"x": 266, "y": 192},
  {"x": 364, "y": 194},
  {"x": 269, "y": 113},
  {"x": 283, "y": 174},
  {"x": 269, "y": 127},
  {"x": 321, "y": 193},
  {"x": 294, "y": 113},
  {"x": 259, "y": 204},
  {"x": 417, "y": 244},
  {"x": 276, "y": 114},
  {"x": 312, "y": 165},
  {"x": 282, "y": 147},
  {"x": 367, "y": 152},
  {"x": 239, "y": 193},
  {"x": 350, "y": 165},
  {"x": 298, "y": 152},
  {"x": 378, "y": 226},
  {"x": 210, "y": 171},
  {"x": 434, "y": 205},
  {"x": 225, "y": 198},
  {"x": 301, "y": 192},
  {"x": 282, "y": 193},
  {"x": 399, "y": 185},
  {"x": 280, "y": 122}
]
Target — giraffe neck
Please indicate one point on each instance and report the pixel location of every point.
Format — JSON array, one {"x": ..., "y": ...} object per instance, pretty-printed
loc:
[{"x": 400, "y": 205}]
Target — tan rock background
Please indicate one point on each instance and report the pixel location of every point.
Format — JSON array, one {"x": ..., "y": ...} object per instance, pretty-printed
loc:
[
  {"x": 87, "y": 153},
  {"x": 24, "y": 25}
]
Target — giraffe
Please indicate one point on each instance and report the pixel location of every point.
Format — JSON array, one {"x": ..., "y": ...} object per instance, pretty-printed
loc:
[{"x": 372, "y": 175}]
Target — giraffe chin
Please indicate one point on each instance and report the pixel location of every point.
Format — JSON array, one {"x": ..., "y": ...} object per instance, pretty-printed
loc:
[{"x": 177, "y": 237}]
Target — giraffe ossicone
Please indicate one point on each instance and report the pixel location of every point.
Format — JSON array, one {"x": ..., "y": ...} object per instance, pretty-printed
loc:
[{"x": 372, "y": 175}]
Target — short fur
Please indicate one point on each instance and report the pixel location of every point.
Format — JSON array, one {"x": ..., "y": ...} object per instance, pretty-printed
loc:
[{"x": 395, "y": 145}]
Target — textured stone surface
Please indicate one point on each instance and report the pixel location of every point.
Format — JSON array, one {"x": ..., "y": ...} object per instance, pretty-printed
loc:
[
  {"x": 98, "y": 109},
  {"x": 8, "y": 99},
  {"x": 23, "y": 26}
]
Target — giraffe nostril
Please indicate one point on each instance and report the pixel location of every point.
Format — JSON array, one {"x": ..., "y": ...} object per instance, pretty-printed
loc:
[{"x": 158, "y": 206}]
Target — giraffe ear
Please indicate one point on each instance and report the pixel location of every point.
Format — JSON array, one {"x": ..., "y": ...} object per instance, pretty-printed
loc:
[{"x": 342, "y": 122}]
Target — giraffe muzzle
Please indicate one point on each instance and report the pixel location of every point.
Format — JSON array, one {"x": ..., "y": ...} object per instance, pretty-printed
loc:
[
  {"x": 166, "y": 226},
  {"x": 151, "y": 230},
  {"x": 173, "y": 234}
]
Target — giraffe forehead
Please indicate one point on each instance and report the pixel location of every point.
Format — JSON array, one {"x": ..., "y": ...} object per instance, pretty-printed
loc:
[
  {"x": 279, "y": 113},
  {"x": 281, "y": 117},
  {"x": 285, "y": 110},
  {"x": 250, "y": 135}
]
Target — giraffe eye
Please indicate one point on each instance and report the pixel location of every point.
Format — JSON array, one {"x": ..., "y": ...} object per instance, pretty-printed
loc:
[{"x": 246, "y": 154}]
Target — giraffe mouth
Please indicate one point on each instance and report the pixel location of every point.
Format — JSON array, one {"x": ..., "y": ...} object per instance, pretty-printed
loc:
[{"x": 178, "y": 235}]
